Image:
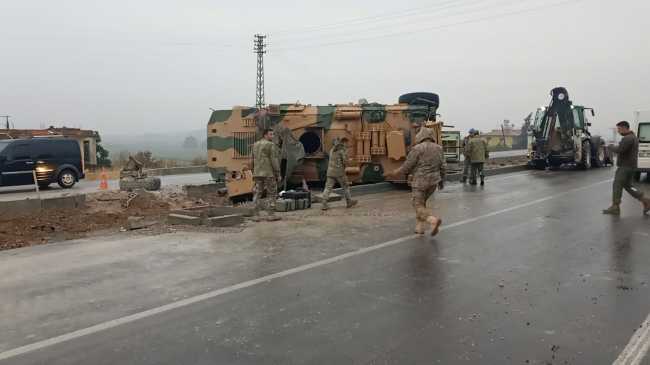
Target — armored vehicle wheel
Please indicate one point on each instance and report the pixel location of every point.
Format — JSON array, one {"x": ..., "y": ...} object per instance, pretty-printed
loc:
[
  {"x": 430, "y": 99},
  {"x": 148, "y": 183}
]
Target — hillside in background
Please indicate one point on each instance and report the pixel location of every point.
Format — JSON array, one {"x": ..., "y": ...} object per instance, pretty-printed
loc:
[{"x": 168, "y": 146}]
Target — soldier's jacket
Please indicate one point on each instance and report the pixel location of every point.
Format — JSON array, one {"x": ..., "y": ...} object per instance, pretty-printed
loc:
[
  {"x": 264, "y": 160},
  {"x": 464, "y": 147},
  {"x": 338, "y": 160},
  {"x": 426, "y": 161},
  {"x": 478, "y": 149}
]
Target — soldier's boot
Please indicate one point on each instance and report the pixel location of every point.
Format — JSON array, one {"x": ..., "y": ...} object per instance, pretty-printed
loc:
[
  {"x": 482, "y": 180},
  {"x": 464, "y": 179},
  {"x": 614, "y": 209},
  {"x": 646, "y": 205},
  {"x": 352, "y": 202},
  {"x": 256, "y": 216},
  {"x": 325, "y": 206},
  {"x": 419, "y": 229},
  {"x": 272, "y": 217},
  {"x": 435, "y": 224},
  {"x": 473, "y": 182}
]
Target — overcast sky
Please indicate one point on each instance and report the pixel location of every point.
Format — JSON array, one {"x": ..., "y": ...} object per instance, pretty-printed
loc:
[{"x": 158, "y": 65}]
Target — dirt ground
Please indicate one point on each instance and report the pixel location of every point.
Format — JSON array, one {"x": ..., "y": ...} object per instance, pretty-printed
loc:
[{"x": 97, "y": 218}]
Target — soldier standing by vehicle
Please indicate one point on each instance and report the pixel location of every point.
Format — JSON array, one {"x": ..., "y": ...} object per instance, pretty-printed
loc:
[
  {"x": 265, "y": 164},
  {"x": 478, "y": 153},
  {"x": 628, "y": 159},
  {"x": 463, "y": 148},
  {"x": 426, "y": 162},
  {"x": 336, "y": 173}
]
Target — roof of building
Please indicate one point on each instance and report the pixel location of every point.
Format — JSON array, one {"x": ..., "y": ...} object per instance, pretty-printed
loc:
[
  {"x": 500, "y": 133},
  {"x": 70, "y": 132}
]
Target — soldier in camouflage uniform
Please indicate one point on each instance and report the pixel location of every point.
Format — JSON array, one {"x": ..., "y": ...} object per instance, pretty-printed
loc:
[
  {"x": 265, "y": 164},
  {"x": 426, "y": 162},
  {"x": 336, "y": 173},
  {"x": 463, "y": 149},
  {"x": 478, "y": 153}
]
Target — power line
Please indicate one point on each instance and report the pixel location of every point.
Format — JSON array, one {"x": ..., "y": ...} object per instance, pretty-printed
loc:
[
  {"x": 308, "y": 70},
  {"x": 432, "y": 28},
  {"x": 401, "y": 24},
  {"x": 115, "y": 31},
  {"x": 298, "y": 30}
]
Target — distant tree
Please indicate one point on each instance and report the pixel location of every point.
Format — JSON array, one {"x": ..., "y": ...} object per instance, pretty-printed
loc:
[
  {"x": 522, "y": 140},
  {"x": 190, "y": 143},
  {"x": 102, "y": 153}
]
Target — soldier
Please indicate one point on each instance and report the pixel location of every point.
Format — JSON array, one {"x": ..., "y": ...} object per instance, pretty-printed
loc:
[
  {"x": 426, "y": 162},
  {"x": 628, "y": 158},
  {"x": 265, "y": 164},
  {"x": 463, "y": 148},
  {"x": 478, "y": 153},
  {"x": 336, "y": 172}
]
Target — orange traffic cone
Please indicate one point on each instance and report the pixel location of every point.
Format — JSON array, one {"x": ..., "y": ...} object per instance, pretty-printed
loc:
[{"x": 104, "y": 184}]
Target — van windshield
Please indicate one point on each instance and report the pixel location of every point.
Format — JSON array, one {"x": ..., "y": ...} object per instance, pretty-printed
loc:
[{"x": 644, "y": 133}]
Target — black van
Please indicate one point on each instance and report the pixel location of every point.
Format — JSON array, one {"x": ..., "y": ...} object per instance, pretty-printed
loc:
[{"x": 55, "y": 158}]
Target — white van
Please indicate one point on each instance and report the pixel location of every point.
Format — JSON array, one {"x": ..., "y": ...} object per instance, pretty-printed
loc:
[{"x": 641, "y": 126}]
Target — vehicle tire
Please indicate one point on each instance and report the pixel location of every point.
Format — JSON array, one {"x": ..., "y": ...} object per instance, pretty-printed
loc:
[
  {"x": 585, "y": 163},
  {"x": 148, "y": 183},
  {"x": 598, "y": 152},
  {"x": 43, "y": 185},
  {"x": 66, "y": 179},
  {"x": 429, "y": 99},
  {"x": 556, "y": 163}
]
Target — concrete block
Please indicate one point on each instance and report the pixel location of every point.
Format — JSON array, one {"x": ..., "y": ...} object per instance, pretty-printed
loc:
[
  {"x": 191, "y": 213},
  {"x": 224, "y": 220},
  {"x": 300, "y": 204},
  {"x": 333, "y": 198},
  {"x": 80, "y": 200},
  {"x": 314, "y": 199},
  {"x": 264, "y": 204},
  {"x": 184, "y": 220},
  {"x": 203, "y": 189},
  {"x": 63, "y": 202},
  {"x": 20, "y": 206},
  {"x": 138, "y": 223},
  {"x": 246, "y": 211},
  {"x": 292, "y": 205}
]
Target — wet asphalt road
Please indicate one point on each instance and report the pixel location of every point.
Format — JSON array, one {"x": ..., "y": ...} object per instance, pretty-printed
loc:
[{"x": 575, "y": 286}]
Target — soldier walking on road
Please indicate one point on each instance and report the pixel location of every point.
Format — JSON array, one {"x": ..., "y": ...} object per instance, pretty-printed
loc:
[
  {"x": 628, "y": 158},
  {"x": 265, "y": 164},
  {"x": 464, "y": 149},
  {"x": 336, "y": 173},
  {"x": 478, "y": 153},
  {"x": 426, "y": 162}
]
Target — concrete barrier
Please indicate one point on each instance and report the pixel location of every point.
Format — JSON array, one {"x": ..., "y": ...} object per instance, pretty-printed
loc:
[
  {"x": 20, "y": 206},
  {"x": 203, "y": 189},
  {"x": 177, "y": 170},
  {"x": 62, "y": 202},
  {"x": 35, "y": 205}
]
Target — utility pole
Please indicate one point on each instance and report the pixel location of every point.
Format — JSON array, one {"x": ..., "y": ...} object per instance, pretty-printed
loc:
[
  {"x": 259, "y": 49},
  {"x": 7, "y": 120}
]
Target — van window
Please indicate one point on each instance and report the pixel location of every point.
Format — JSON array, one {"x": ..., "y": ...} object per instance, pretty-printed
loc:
[
  {"x": 644, "y": 133},
  {"x": 43, "y": 150},
  {"x": 21, "y": 152},
  {"x": 56, "y": 149}
]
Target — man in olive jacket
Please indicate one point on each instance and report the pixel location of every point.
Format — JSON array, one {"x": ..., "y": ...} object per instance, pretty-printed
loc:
[
  {"x": 478, "y": 153},
  {"x": 339, "y": 160},
  {"x": 464, "y": 149},
  {"x": 265, "y": 164},
  {"x": 628, "y": 159}
]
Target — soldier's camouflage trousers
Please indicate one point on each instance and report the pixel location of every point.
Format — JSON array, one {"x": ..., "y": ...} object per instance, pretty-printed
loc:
[
  {"x": 623, "y": 180},
  {"x": 329, "y": 185},
  {"x": 271, "y": 186},
  {"x": 419, "y": 197}
]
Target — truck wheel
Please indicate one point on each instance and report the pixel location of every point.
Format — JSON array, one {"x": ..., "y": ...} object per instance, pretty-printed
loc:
[
  {"x": 429, "y": 99},
  {"x": 598, "y": 152},
  {"x": 585, "y": 163},
  {"x": 67, "y": 179},
  {"x": 148, "y": 183}
]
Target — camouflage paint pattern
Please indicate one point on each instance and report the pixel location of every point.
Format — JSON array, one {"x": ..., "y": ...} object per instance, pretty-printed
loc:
[{"x": 231, "y": 134}]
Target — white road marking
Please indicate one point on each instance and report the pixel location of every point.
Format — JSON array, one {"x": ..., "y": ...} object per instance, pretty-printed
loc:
[
  {"x": 185, "y": 302},
  {"x": 638, "y": 346}
]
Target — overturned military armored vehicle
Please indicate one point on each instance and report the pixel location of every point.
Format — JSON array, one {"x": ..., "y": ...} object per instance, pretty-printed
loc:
[{"x": 380, "y": 138}]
